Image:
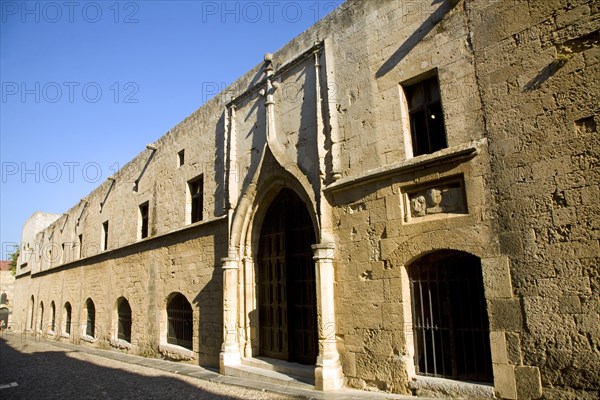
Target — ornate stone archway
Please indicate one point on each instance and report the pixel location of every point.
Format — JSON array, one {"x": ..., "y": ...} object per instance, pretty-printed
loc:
[{"x": 240, "y": 305}]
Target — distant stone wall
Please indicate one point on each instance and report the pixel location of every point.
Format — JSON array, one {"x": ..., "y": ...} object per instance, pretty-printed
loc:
[
  {"x": 145, "y": 274},
  {"x": 7, "y": 299}
]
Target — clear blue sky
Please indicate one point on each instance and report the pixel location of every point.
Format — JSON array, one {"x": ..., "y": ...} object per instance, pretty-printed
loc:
[{"x": 87, "y": 84}]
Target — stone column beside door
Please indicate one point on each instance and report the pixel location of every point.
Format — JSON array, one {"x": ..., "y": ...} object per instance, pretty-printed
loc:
[
  {"x": 328, "y": 372},
  {"x": 230, "y": 351}
]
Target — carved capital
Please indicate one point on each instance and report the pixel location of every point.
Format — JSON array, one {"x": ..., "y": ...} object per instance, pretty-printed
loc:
[
  {"x": 323, "y": 251},
  {"x": 229, "y": 263}
]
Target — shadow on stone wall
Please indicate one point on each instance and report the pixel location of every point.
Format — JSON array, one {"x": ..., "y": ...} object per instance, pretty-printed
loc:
[{"x": 417, "y": 36}]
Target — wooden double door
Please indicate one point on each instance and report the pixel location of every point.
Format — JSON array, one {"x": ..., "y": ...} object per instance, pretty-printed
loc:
[{"x": 286, "y": 279}]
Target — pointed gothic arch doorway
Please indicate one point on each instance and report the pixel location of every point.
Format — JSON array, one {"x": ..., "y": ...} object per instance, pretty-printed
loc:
[{"x": 287, "y": 300}]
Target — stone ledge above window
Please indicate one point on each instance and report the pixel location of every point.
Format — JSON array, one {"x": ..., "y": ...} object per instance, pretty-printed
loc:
[
  {"x": 175, "y": 352},
  {"x": 441, "y": 157},
  {"x": 430, "y": 386}
]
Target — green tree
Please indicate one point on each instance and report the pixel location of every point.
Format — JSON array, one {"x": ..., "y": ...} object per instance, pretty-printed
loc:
[{"x": 13, "y": 257}]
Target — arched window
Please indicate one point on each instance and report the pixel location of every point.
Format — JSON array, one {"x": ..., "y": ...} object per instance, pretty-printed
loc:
[
  {"x": 41, "y": 316},
  {"x": 91, "y": 318},
  {"x": 68, "y": 318},
  {"x": 3, "y": 298},
  {"x": 4, "y": 318},
  {"x": 52, "y": 316},
  {"x": 179, "y": 315},
  {"x": 450, "y": 322},
  {"x": 124, "y": 325},
  {"x": 31, "y": 308}
]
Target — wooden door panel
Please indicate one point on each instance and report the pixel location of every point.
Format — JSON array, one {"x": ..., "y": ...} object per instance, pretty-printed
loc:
[{"x": 287, "y": 288}]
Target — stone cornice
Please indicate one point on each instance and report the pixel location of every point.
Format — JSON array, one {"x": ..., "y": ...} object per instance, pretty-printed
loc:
[
  {"x": 111, "y": 253},
  {"x": 445, "y": 156}
]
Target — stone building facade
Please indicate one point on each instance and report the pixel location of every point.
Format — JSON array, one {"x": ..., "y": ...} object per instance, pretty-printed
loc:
[
  {"x": 403, "y": 198},
  {"x": 7, "y": 290}
]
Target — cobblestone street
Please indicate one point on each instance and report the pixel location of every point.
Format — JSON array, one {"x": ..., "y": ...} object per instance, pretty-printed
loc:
[{"x": 44, "y": 371}]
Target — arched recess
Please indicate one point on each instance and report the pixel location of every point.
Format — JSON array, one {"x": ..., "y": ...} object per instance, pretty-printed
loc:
[
  {"x": 30, "y": 311},
  {"x": 52, "y": 316},
  {"x": 493, "y": 274},
  {"x": 67, "y": 317},
  {"x": 4, "y": 313},
  {"x": 244, "y": 246},
  {"x": 90, "y": 318},
  {"x": 123, "y": 319},
  {"x": 41, "y": 317},
  {"x": 180, "y": 317}
]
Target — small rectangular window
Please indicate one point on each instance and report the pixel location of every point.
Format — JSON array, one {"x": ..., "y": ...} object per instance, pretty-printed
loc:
[
  {"x": 105, "y": 235},
  {"x": 426, "y": 117},
  {"x": 143, "y": 220},
  {"x": 63, "y": 255},
  {"x": 196, "y": 188},
  {"x": 80, "y": 246},
  {"x": 181, "y": 158}
]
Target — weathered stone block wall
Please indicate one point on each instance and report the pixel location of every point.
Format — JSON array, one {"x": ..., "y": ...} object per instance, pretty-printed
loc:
[
  {"x": 145, "y": 274},
  {"x": 537, "y": 64},
  {"x": 376, "y": 240},
  {"x": 384, "y": 45},
  {"x": 7, "y": 291},
  {"x": 518, "y": 82},
  {"x": 376, "y": 243}
]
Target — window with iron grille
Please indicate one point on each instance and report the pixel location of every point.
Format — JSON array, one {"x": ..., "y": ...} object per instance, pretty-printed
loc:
[
  {"x": 450, "y": 322},
  {"x": 3, "y": 298},
  {"x": 144, "y": 220},
  {"x": 52, "y": 316},
  {"x": 179, "y": 314},
  {"x": 426, "y": 117},
  {"x": 91, "y": 318},
  {"x": 124, "y": 326},
  {"x": 67, "y": 318},
  {"x": 196, "y": 187}
]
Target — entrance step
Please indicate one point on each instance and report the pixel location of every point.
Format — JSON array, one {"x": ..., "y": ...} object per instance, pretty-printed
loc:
[
  {"x": 284, "y": 367},
  {"x": 275, "y": 371}
]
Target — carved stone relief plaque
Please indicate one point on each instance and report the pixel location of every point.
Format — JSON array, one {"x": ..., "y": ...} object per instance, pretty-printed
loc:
[{"x": 445, "y": 198}]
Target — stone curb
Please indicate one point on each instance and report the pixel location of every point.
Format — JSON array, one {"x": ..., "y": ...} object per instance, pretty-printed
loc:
[{"x": 198, "y": 372}]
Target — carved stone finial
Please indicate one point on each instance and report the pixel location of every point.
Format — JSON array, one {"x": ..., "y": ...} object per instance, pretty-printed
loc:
[{"x": 268, "y": 57}]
